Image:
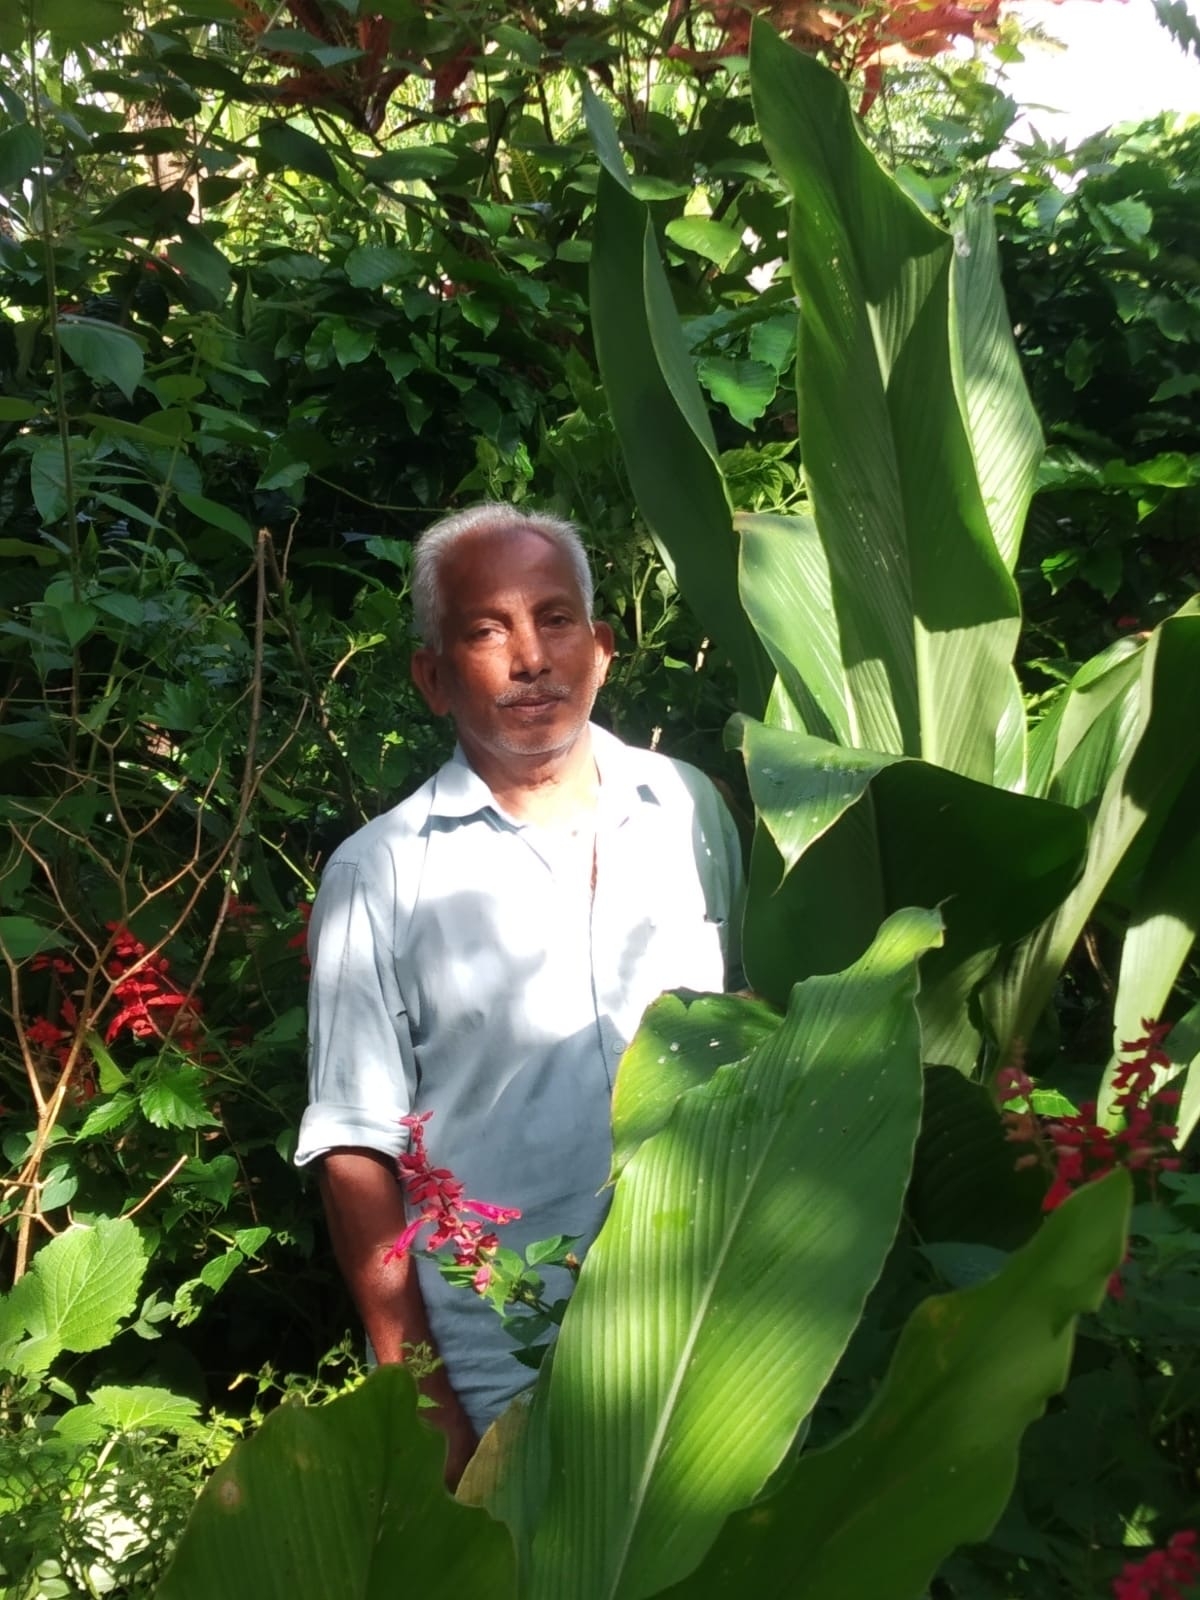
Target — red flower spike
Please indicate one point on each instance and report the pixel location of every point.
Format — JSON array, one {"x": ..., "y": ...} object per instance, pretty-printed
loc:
[
  {"x": 1166, "y": 1574},
  {"x": 1075, "y": 1148},
  {"x": 437, "y": 1196}
]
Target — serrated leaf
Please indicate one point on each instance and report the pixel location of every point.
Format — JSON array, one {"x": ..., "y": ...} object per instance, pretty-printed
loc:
[
  {"x": 79, "y": 1289},
  {"x": 175, "y": 1099},
  {"x": 215, "y": 1274},
  {"x": 104, "y": 1118},
  {"x": 133, "y": 1408}
]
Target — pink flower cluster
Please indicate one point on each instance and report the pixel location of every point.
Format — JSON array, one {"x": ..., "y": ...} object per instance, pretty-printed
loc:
[
  {"x": 1079, "y": 1150},
  {"x": 436, "y": 1196},
  {"x": 1164, "y": 1574}
]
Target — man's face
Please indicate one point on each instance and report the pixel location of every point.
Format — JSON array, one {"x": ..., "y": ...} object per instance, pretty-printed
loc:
[{"x": 520, "y": 663}]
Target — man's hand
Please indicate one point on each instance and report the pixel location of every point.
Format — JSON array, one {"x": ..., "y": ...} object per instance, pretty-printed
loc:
[{"x": 364, "y": 1206}]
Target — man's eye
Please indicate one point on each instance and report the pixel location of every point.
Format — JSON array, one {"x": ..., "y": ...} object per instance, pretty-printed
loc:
[{"x": 560, "y": 619}]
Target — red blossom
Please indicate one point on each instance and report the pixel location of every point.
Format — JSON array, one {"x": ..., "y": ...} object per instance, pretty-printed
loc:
[
  {"x": 1075, "y": 1148},
  {"x": 150, "y": 1005},
  {"x": 437, "y": 1197},
  {"x": 57, "y": 964},
  {"x": 1165, "y": 1574}
]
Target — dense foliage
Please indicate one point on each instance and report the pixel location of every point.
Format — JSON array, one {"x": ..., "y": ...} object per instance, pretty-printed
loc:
[{"x": 276, "y": 289}]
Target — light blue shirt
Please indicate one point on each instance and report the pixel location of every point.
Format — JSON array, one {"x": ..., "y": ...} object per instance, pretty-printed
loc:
[{"x": 463, "y": 965}]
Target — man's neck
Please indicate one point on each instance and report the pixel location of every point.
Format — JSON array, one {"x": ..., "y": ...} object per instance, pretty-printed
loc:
[{"x": 551, "y": 791}]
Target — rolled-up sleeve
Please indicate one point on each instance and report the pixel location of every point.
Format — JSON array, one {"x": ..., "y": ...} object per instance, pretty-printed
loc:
[{"x": 361, "y": 1072}]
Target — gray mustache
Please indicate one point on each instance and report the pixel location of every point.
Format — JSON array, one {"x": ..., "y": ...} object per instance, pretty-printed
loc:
[{"x": 524, "y": 697}]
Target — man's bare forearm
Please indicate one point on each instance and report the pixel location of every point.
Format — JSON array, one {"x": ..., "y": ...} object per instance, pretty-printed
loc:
[{"x": 364, "y": 1207}]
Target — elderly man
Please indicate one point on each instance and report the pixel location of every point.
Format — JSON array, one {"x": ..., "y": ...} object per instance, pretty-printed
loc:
[{"x": 485, "y": 950}]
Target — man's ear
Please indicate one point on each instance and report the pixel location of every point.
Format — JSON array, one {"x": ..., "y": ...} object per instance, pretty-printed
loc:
[
  {"x": 426, "y": 669},
  {"x": 606, "y": 645}
]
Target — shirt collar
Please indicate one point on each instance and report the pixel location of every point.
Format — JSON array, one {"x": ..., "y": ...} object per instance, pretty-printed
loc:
[{"x": 460, "y": 792}]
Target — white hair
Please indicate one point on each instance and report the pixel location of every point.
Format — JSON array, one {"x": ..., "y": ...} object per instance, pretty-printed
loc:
[{"x": 438, "y": 540}]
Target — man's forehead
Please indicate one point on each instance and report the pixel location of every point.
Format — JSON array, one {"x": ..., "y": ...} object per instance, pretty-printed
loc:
[{"x": 496, "y": 561}]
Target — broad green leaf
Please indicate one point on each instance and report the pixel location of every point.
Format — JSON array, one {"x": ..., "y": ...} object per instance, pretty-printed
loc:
[
  {"x": 106, "y": 353},
  {"x": 745, "y": 388},
  {"x": 72, "y": 22},
  {"x": 1183, "y": 1047},
  {"x": 1164, "y": 921},
  {"x": 174, "y": 1098},
  {"x": 219, "y": 516},
  {"x": 1148, "y": 754},
  {"x": 742, "y": 1242},
  {"x": 280, "y": 146},
  {"x": 79, "y": 1289},
  {"x": 927, "y": 611},
  {"x": 1002, "y": 426},
  {"x": 663, "y": 426},
  {"x": 20, "y": 152},
  {"x": 341, "y": 1499},
  {"x": 202, "y": 264},
  {"x": 370, "y": 266},
  {"x": 407, "y": 166},
  {"x": 774, "y": 341},
  {"x": 1074, "y": 748},
  {"x": 965, "y": 1184},
  {"x": 681, "y": 1042},
  {"x": 859, "y": 835},
  {"x": 786, "y": 591},
  {"x": 602, "y": 131},
  {"x": 22, "y": 937},
  {"x": 715, "y": 241},
  {"x": 933, "y": 1461}
]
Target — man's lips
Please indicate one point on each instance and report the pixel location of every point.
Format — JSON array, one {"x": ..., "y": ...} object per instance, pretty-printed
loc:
[{"x": 533, "y": 699}]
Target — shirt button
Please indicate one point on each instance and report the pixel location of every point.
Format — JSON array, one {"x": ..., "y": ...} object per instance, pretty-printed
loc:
[{"x": 617, "y": 1047}]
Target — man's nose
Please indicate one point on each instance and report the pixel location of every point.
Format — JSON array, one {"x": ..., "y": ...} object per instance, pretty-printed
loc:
[{"x": 527, "y": 654}]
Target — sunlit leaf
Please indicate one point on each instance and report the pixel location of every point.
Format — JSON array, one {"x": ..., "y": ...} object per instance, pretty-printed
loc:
[{"x": 932, "y": 1463}]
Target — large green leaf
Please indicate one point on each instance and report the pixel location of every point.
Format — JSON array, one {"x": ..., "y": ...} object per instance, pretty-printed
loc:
[
  {"x": 732, "y": 1269},
  {"x": 926, "y": 607},
  {"x": 783, "y": 577},
  {"x": 107, "y": 354},
  {"x": 932, "y": 1463},
  {"x": 1002, "y": 425},
  {"x": 966, "y": 1187},
  {"x": 79, "y": 1289},
  {"x": 666, "y": 437},
  {"x": 339, "y": 1500},
  {"x": 1165, "y": 918},
  {"x": 846, "y": 836},
  {"x": 1130, "y": 763},
  {"x": 1183, "y": 1047},
  {"x": 682, "y": 1040}
]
